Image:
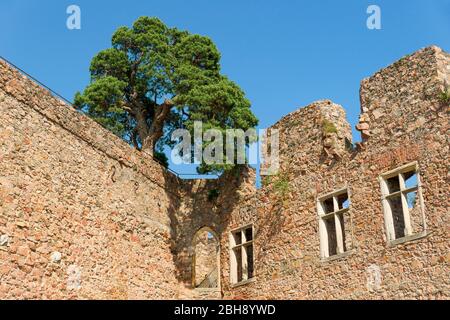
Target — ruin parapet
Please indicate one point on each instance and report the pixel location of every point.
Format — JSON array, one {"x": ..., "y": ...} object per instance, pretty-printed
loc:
[{"x": 85, "y": 216}]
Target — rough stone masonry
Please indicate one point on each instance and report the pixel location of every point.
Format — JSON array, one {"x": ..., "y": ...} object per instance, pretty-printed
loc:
[{"x": 85, "y": 216}]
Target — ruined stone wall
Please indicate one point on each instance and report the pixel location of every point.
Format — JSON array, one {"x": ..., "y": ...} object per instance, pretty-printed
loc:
[
  {"x": 82, "y": 214},
  {"x": 403, "y": 121}
]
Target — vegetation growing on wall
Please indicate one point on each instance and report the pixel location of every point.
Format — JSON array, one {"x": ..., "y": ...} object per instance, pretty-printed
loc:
[
  {"x": 281, "y": 187},
  {"x": 328, "y": 127}
]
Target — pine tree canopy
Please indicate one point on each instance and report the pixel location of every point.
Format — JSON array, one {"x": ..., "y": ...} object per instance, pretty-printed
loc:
[{"x": 154, "y": 80}]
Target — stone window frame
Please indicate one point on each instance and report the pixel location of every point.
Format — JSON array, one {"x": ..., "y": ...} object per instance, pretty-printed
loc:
[
  {"x": 244, "y": 261},
  {"x": 323, "y": 233},
  {"x": 386, "y": 195},
  {"x": 216, "y": 237}
]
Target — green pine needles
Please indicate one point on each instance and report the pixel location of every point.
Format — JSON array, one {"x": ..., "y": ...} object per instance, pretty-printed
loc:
[{"x": 154, "y": 80}]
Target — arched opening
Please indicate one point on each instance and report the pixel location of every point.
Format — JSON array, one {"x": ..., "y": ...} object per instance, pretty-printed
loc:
[{"x": 205, "y": 266}]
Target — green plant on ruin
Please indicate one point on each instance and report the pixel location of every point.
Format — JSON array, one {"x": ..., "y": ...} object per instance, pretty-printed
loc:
[
  {"x": 444, "y": 96},
  {"x": 328, "y": 127},
  {"x": 267, "y": 177},
  {"x": 294, "y": 123},
  {"x": 213, "y": 194},
  {"x": 281, "y": 187},
  {"x": 266, "y": 180}
]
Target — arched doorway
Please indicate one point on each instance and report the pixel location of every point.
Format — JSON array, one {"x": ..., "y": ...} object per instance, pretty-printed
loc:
[{"x": 206, "y": 259}]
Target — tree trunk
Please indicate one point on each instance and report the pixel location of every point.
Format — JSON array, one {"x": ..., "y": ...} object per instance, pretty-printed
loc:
[
  {"x": 150, "y": 136},
  {"x": 134, "y": 139}
]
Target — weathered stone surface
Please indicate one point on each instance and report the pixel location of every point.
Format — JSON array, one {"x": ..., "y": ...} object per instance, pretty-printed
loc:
[
  {"x": 288, "y": 263},
  {"x": 55, "y": 257},
  {"x": 124, "y": 227},
  {"x": 69, "y": 186}
]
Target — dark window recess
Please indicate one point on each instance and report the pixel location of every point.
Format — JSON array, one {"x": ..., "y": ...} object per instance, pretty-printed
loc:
[
  {"x": 343, "y": 202},
  {"x": 331, "y": 231},
  {"x": 393, "y": 184},
  {"x": 249, "y": 234},
  {"x": 238, "y": 254},
  {"x": 237, "y": 238},
  {"x": 249, "y": 249},
  {"x": 328, "y": 206},
  {"x": 398, "y": 219}
]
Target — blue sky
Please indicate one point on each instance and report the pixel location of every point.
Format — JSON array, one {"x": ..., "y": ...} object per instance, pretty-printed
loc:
[{"x": 284, "y": 54}]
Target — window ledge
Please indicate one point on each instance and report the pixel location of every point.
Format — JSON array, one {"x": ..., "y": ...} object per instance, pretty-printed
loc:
[
  {"x": 338, "y": 256},
  {"x": 243, "y": 283},
  {"x": 413, "y": 237}
]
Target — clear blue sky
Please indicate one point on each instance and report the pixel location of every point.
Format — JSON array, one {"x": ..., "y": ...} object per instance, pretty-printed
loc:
[{"x": 284, "y": 54}]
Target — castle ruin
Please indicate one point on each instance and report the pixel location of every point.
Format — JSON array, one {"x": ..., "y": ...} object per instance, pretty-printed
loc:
[{"x": 85, "y": 216}]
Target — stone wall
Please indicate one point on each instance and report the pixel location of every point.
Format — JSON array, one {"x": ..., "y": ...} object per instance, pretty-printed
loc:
[
  {"x": 206, "y": 251},
  {"x": 85, "y": 216},
  {"x": 403, "y": 120},
  {"x": 82, "y": 214}
]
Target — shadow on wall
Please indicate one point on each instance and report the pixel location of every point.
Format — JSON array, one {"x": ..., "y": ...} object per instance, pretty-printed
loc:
[
  {"x": 205, "y": 260},
  {"x": 203, "y": 206}
]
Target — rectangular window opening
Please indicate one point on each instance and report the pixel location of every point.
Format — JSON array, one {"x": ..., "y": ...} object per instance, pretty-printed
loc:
[
  {"x": 242, "y": 260},
  {"x": 402, "y": 202},
  {"x": 328, "y": 205},
  {"x": 250, "y": 261},
  {"x": 333, "y": 211},
  {"x": 343, "y": 202}
]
